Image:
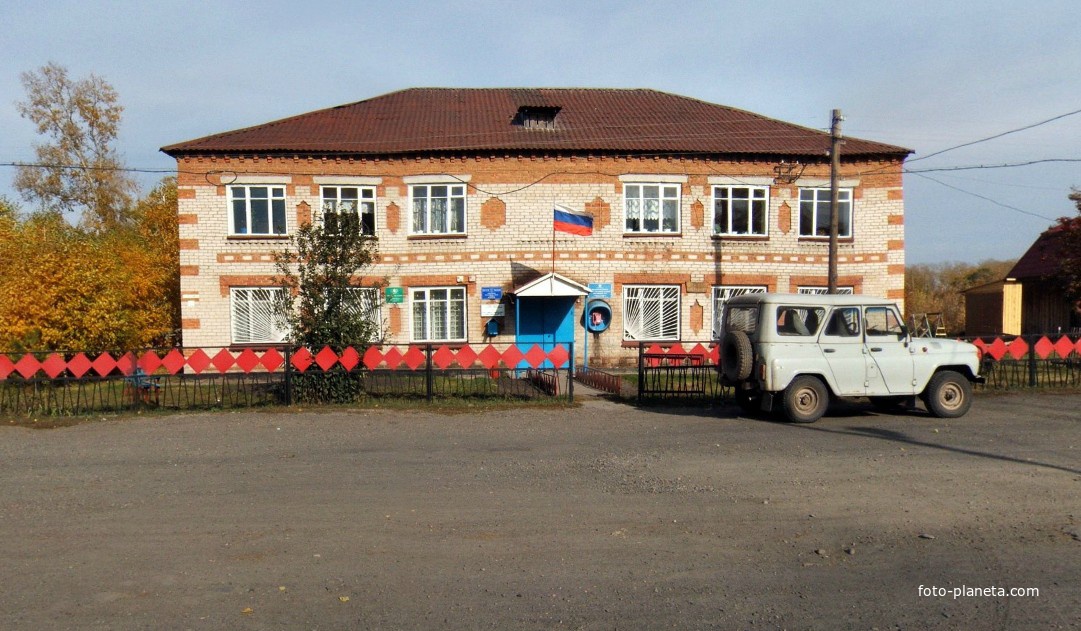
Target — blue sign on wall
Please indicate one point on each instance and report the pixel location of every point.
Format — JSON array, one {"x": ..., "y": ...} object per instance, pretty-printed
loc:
[
  {"x": 600, "y": 290},
  {"x": 491, "y": 293}
]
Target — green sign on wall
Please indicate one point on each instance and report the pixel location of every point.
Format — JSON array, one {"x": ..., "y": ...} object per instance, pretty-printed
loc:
[{"x": 395, "y": 295}]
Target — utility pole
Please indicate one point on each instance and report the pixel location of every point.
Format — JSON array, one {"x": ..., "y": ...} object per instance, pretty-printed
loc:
[{"x": 835, "y": 168}]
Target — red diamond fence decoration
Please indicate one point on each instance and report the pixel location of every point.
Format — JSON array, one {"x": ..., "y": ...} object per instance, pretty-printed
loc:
[
  {"x": 199, "y": 361},
  {"x": 302, "y": 360},
  {"x": 466, "y": 356},
  {"x": 271, "y": 360},
  {"x": 1043, "y": 348},
  {"x": 247, "y": 360},
  {"x": 699, "y": 350},
  {"x": 173, "y": 361},
  {"x": 350, "y": 358},
  {"x": 223, "y": 361},
  {"x": 326, "y": 358},
  {"x": 6, "y": 366},
  {"x": 512, "y": 357},
  {"x": 997, "y": 349},
  {"x": 677, "y": 349},
  {"x": 149, "y": 362},
  {"x": 104, "y": 364},
  {"x": 393, "y": 358},
  {"x": 28, "y": 366},
  {"x": 443, "y": 357},
  {"x": 53, "y": 365},
  {"x": 714, "y": 354},
  {"x": 489, "y": 357},
  {"x": 1063, "y": 347},
  {"x": 1078, "y": 347},
  {"x": 559, "y": 356},
  {"x": 77, "y": 366},
  {"x": 414, "y": 358},
  {"x": 535, "y": 356},
  {"x": 1017, "y": 348},
  {"x": 126, "y": 363},
  {"x": 372, "y": 358}
]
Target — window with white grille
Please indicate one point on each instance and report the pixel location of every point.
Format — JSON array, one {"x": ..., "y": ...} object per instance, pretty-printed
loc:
[
  {"x": 254, "y": 316},
  {"x": 724, "y": 293},
  {"x": 820, "y": 291},
  {"x": 651, "y": 312},
  {"x": 439, "y": 314}
]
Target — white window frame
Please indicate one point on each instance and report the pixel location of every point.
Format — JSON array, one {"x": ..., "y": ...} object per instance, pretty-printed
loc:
[
  {"x": 723, "y": 193},
  {"x": 455, "y": 191},
  {"x": 246, "y": 302},
  {"x": 363, "y": 203},
  {"x": 634, "y": 202},
  {"x": 421, "y": 330},
  {"x": 724, "y": 293},
  {"x": 652, "y": 313},
  {"x": 822, "y": 291},
  {"x": 817, "y": 200},
  {"x": 275, "y": 194}
]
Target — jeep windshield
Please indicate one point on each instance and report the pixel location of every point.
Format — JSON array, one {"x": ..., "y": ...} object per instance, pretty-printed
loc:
[{"x": 742, "y": 319}]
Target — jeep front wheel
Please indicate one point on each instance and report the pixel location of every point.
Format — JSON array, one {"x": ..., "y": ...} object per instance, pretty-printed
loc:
[
  {"x": 805, "y": 400},
  {"x": 948, "y": 394}
]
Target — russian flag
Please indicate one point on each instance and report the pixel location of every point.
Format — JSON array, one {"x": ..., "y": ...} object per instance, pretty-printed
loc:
[{"x": 573, "y": 221}]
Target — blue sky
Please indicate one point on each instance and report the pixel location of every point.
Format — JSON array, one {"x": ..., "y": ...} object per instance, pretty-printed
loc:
[{"x": 924, "y": 75}]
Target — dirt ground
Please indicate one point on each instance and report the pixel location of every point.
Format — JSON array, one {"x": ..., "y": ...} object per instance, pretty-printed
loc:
[{"x": 600, "y": 516}]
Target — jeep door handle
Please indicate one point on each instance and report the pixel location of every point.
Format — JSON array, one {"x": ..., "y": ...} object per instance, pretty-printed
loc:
[
  {"x": 876, "y": 349},
  {"x": 829, "y": 350}
]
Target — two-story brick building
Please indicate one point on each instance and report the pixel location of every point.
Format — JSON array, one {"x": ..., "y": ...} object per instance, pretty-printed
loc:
[{"x": 691, "y": 202}]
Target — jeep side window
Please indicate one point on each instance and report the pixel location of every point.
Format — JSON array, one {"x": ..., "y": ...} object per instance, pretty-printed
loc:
[
  {"x": 801, "y": 321},
  {"x": 844, "y": 322},
  {"x": 741, "y": 319},
  {"x": 881, "y": 321}
]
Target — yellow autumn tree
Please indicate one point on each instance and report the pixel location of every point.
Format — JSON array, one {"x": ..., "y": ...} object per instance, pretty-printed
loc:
[{"x": 66, "y": 288}]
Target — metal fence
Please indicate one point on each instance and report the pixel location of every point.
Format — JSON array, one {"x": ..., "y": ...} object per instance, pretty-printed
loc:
[
  {"x": 675, "y": 372},
  {"x": 80, "y": 383}
]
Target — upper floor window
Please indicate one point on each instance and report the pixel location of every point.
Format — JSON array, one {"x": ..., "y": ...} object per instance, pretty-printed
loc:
[
  {"x": 651, "y": 208},
  {"x": 349, "y": 206},
  {"x": 438, "y": 209},
  {"x": 257, "y": 210},
  {"x": 814, "y": 212},
  {"x": 651, "y": 312},
  {"x": 740, "y": 210}
]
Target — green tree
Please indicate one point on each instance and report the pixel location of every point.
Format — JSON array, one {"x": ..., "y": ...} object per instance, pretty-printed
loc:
[
  {"x": 322, "y": 304},
  {"x": 78, "y": 169},
  {"x": 1070, "y": 252}
]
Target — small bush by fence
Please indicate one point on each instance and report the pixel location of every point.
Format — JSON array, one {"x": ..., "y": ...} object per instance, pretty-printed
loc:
[{"x": 86, "y": 383}]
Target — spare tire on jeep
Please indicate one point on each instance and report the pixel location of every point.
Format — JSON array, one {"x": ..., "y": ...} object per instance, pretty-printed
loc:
[{"x": 737, "y": 356}]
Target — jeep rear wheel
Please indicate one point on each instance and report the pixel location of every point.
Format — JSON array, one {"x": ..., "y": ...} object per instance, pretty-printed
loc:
[
  {"x": 948, "y": 394},
  {"x": 805, "y": 399},
  {"x": 737, "y": 356}
]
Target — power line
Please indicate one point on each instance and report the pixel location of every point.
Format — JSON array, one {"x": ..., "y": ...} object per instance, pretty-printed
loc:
[
  {"x": 983, "y": 197},
  {"x": 1000, "y": 135},
  {"x": 991, "y": 166}
]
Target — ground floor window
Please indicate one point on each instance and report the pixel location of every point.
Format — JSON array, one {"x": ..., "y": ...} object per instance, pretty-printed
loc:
[
  {"x": 439, "y": 314},
  {"x": 254, "y": 318},
  {"x": 819, "y": 291},
  {"x": 651, "y": 312},
  {"x": 724, "y": 293}
]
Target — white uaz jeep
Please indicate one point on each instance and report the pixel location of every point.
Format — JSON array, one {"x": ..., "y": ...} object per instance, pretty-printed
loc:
[{"x": 797, "y": 351}]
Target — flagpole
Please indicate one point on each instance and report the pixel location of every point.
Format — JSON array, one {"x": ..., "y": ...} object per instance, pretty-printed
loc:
[{"x": 553, "y": 238}]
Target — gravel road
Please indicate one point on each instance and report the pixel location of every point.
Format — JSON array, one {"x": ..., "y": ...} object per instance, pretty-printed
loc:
[{"x": 599, "y": 516}]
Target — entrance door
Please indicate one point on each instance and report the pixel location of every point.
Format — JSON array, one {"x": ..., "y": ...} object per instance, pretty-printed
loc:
[{"x": 546, "y": 321}]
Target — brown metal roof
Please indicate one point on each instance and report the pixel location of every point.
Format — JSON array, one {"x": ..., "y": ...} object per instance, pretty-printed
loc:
[
  {"x": 1043, "y": 257},
  {"x": 469, "y": 120}
]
